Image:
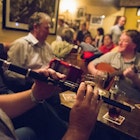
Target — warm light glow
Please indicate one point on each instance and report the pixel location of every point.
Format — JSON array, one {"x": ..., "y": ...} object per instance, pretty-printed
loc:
[
  {"x": 67, "y": 5},
  {"x": 103, "y": 16}
]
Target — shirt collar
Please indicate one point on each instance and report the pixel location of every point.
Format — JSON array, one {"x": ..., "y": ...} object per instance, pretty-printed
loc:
[
  {"x": 30, "y": 38},
  {"x": 132, "y": 61}
]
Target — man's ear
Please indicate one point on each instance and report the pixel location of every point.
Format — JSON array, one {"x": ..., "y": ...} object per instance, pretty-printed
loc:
[{"x": 35, "y": 27}]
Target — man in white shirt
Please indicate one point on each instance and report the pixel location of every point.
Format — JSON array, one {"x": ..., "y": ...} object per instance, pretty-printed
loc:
[
  {"x": 31, "y": 51},
  {"x": 117, "y": 29}
]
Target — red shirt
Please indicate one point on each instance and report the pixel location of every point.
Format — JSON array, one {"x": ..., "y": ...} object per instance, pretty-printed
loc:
[{"x": 103, "y": 49}]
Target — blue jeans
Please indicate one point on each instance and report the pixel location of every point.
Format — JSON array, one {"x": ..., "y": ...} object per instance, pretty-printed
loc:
[{"x": 25, "y": 133}]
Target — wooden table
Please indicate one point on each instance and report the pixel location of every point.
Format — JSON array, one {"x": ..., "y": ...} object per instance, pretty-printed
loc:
[{"x": 129, "y": 129}]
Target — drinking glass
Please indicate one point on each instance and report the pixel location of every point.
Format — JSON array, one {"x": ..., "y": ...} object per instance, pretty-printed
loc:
[{"x": 119, "y": 96}]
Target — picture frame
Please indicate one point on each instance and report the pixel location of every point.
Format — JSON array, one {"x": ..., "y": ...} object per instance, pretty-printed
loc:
[
  {"x": 80, "y": 13},
  {"x": 96, "y": 20},
  {"x": 16, "y": 13},
  {"x": 88, "y": 17}
]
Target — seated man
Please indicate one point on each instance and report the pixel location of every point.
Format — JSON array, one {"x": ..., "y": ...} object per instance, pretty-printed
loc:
[
  {"x": 123, "y": 60},
  {"x": 86, "y": 109},
  {"x": 31, "y": 51},
  {"x": 61, "y": 48}
]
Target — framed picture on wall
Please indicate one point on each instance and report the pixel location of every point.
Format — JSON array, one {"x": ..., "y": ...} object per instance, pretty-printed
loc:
[
  {"x": 80, "y": 13},
  {"x": 96, "y": 20},
  {"x": 17, "y": 12},
  {"x": 88, "y": 16}
]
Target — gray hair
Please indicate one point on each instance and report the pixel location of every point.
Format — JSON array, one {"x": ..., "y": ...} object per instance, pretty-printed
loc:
[
  {"x": 67, "y": 35},
  {"x": 37, "y": 19}
]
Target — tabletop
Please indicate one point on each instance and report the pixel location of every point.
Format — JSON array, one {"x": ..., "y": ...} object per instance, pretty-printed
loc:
[{"x": 130, "y": 126}]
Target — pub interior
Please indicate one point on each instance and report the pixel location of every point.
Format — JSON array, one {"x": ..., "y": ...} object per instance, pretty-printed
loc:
[{"x": 96, "y": 14}]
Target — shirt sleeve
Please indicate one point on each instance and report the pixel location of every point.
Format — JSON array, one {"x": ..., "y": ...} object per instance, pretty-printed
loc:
[
  {"x": 106, "y": 58},
  {"x": 17, "y": 56}
]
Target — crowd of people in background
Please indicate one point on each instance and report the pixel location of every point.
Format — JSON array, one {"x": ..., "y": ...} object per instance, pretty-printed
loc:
[
  {"x": 61, "y": 48},
  {"x": 100, "y": 43}
]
